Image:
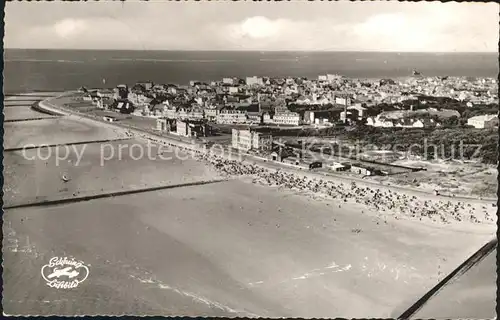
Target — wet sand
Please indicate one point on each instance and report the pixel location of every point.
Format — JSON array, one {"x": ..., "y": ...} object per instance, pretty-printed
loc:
[
  {"x": 231, "y": 244},
  {"x": 23, "y": 113},
  {"x": 54, "y": 131},
  {"x": 37, "y": 175}
]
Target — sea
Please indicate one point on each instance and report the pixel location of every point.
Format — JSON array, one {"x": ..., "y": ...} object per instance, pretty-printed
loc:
[{"x": 54, "y": 70}]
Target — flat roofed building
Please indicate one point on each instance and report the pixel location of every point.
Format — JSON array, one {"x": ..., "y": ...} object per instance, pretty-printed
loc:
[
  {"x": 248, "y": 139},
  {"x": 287, "y": 118},
  {"x": 231, "y": 117},
  {"x": 483, "y": 121}
]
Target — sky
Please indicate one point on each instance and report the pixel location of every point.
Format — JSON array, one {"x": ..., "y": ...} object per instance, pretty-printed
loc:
[{"x": 262, "y": 26}]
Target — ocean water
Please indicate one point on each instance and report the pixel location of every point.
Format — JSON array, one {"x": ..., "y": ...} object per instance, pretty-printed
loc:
[{"x": 27, "y": 70}]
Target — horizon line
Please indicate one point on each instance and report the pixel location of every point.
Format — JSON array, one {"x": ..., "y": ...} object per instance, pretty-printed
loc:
[{"x": 253, "y": 50}]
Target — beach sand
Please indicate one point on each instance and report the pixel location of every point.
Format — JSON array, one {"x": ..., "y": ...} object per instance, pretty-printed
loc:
[
  {"x": 23, "y": 113},
  {"x": 233, "y": 244},
  {"x": 54, "y": 131}
]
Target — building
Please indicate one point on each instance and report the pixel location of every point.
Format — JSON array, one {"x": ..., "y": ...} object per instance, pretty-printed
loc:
[
  {"x": 87, "y": 97},
  {"x": 182, "y": 128},
  {"x": 309, "y": 116},
  {"x": 247, "y": 139},
  {"x": 254, "y": 81},
  {"x": 359, "y": 109},
  {"x": 254, "y": 113},
  {"x": 233, "y": 90},
  {"x": 147, "y": 85},
  {"x": 379, "y": 122},
  {"x": 211, "y": 113},
  {"x": 161, "y": 124},
  {"x": 337, "y": 166},
  {"x": 170, "y": 112},
  {"x": 121, "y": 92},
  {"x": 192, "y": 128},
  {"x": 196, "y": 113},
  {"x": 109, "y": 119},
  {"x": 315, "y": 164},
  {"x": 231, "y": 117},
  {"x": 164, "y": 124},
  {"x": 138, "y": 99},
  {"x": 105, "y": 93},
  {"x": 483, "y": 121},
  {"x": 287, "y": 118},
  {"x": 343, "y": 101},
  {"x": 123, "y": 106},
  {"x": 363, "y": 170},
  {"x": 344, "y": 115},
  {"x": 333, "y": 77},
  {"x": 292, "y": 160},
  {"x": 254, "y": 117},
  {"x": 266, "y": 118}
]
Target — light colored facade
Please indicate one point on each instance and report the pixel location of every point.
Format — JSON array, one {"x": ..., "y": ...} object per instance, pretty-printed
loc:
[
  {"x": 287, "y": 118},
  {"x": 418, "y": 124},
  {"x": 337, "y": 166},
  {"x": 196, "y": 114},
  {"x": 233, "y": 90},
  {"x": 484, "y": 121},
  {"x": 266, "y": 118},
  {"x": 309, "y": 117},
  {"x": 246, "y": 140},
  {"x": 343, "y": 101},
  {"x": 254, "y": 81},
  {"x": 380, "y": 122},
  {"x": 355, "y": 168},
  {"x": 183, "y": 129},
  {"x": 137, "y": 99},
  {"x": 333, "y": 77},
  {"x": 161, "y": 124},
  {"x": 211, "y": 114},
  {"x": 170, "y": 112},
  {"x": 231, "y": 117},
  {"x": 242, "y": 139}
]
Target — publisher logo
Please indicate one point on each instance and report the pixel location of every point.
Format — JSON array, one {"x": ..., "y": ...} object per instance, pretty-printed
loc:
[{"x": 64, "y": 273}]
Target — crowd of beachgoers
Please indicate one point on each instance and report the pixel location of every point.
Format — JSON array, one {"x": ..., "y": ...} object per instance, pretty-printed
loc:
[{"x": 380, "y": 200}]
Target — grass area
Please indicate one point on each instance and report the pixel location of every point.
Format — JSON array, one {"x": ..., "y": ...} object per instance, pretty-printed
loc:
[{"x": 457, "y": 143}]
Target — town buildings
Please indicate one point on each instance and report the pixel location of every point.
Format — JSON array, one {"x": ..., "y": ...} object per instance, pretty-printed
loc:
[
  {"x": 262, "y": 100},
  {"x": 484, "y": 121}
]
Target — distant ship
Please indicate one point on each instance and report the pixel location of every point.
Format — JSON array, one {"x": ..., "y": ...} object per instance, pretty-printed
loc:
[{"x": 416, "y": 73}]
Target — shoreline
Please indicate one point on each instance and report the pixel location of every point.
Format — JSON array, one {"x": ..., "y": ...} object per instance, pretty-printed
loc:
[
  {"x": 177, "y": 142},
  {"x": 172, "y": 141}
]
